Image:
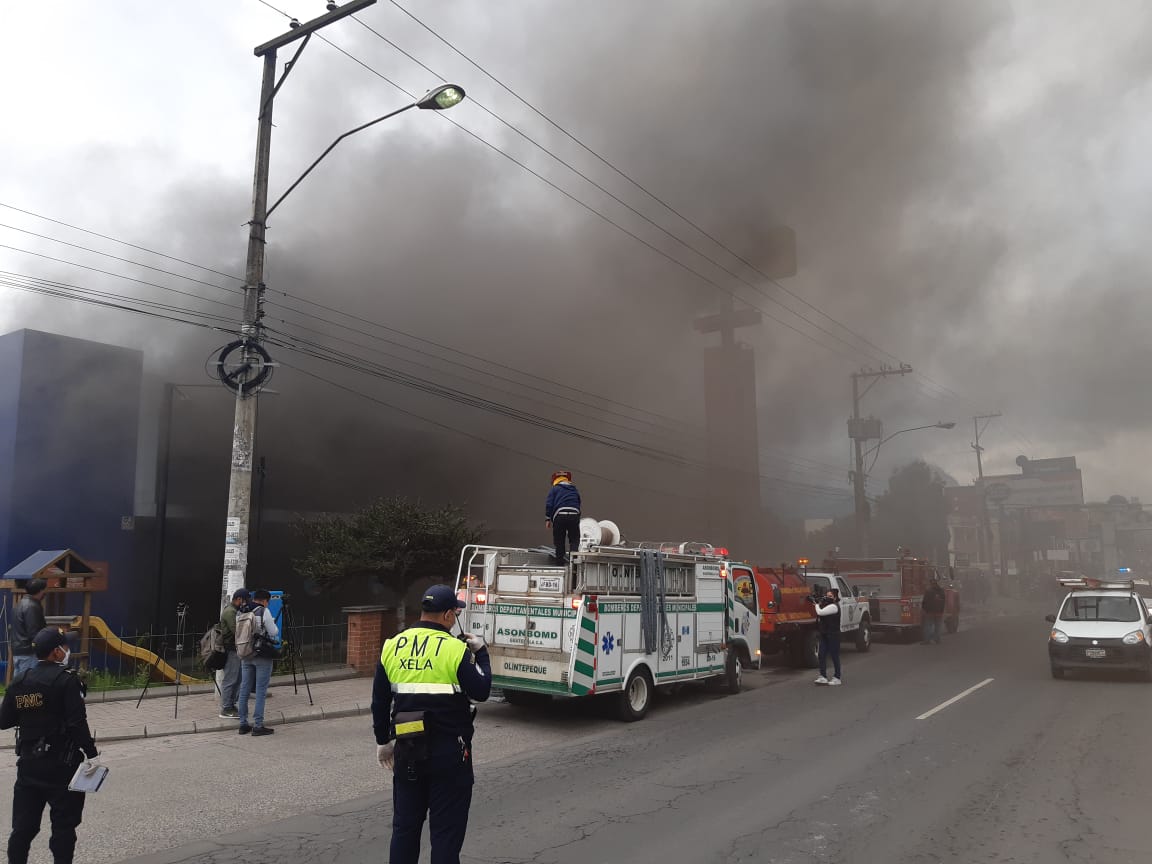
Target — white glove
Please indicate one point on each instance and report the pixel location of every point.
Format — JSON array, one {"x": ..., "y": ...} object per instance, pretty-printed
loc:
[
  {"x": 385, "y": 754},
  {"x": 474, "y": 642},
  {"x": 90, "y": 767}
]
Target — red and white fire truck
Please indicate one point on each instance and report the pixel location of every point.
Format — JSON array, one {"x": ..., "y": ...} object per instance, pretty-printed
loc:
[{"x": 894, "y": 589}]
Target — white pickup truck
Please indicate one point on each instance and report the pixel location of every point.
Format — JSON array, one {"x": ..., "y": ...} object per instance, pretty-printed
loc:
[{"x": 855, "y": 620}]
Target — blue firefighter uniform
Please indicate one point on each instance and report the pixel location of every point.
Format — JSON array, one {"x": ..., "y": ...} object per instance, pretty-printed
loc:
[{"x": 421, "y": 700}]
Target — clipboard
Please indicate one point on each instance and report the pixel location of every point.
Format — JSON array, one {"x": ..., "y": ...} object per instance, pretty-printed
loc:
[{"x": 82, "y": 781}]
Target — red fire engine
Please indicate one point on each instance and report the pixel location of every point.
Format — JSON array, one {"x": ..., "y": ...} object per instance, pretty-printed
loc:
[{"x": 894, "y": 588}]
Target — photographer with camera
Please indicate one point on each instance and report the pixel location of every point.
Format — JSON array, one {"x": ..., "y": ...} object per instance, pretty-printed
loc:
[{"x": 828, "y": 625}]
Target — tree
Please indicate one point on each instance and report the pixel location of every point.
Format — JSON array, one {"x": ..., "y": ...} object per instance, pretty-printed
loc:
[
  {"x": 912, "y": 513},
  {"x": 393, "y": 541}
]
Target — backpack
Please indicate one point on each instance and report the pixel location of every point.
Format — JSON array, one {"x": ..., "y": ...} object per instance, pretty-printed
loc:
[
  {"x": 251, "y": 638},
  {"x": 246, "y": 629},
  {"x": 212, "y": 653}
]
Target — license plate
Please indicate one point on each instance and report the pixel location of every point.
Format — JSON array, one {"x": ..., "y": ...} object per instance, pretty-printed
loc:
[
  {"x": 1095, "y": 653},
  {"x": 548, "y": 583}
]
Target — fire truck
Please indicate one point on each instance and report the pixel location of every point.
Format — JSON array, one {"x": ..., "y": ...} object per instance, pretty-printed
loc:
[
  {"x": 894, "y": 589},
  {"x": 618, "y": 619},
  {"x": 788, "y": 618}
]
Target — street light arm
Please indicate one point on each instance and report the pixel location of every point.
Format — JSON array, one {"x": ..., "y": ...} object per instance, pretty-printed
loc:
[
  {"x": 332, "y": 147},
  {"x": 884, "y": 441}
]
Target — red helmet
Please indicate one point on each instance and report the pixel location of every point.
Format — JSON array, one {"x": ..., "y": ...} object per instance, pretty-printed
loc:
[{"x": 558, "y": 476}]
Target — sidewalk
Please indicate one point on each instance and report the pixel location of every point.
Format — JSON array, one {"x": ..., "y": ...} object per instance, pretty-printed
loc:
[{"x": 113, "y": 715}]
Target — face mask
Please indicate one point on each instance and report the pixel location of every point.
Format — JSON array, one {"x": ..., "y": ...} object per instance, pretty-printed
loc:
[{"x": 67, "y": 654}]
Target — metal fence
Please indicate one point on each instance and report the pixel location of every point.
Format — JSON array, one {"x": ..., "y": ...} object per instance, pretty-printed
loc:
[{"x": 317, "y": 642}]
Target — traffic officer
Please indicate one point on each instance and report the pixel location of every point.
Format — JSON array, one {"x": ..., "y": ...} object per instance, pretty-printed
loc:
[
  {"x": 422, "y": 718},
  {"x": 46, "y": 703}
]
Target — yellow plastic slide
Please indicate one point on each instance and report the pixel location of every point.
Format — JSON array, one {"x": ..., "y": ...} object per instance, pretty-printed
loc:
[{"x": 97, "y": 629}]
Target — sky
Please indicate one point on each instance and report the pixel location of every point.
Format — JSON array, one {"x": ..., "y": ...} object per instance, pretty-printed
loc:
[{"x": 966, "y": 183}]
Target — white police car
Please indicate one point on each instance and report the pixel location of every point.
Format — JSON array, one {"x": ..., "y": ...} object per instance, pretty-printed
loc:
[{"x": 1101, "y": 625}]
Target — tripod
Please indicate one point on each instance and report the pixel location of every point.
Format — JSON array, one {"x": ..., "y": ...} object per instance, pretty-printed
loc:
[
  {"x": 292, "y": 647},
  {"x": 181, "y": 618}
]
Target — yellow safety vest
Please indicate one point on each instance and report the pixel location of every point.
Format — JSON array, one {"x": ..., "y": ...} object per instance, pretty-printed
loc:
[{"x": 423, "y": 661}]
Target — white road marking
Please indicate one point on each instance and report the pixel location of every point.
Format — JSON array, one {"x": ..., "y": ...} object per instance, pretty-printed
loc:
[{"x": 954, "y": 699}]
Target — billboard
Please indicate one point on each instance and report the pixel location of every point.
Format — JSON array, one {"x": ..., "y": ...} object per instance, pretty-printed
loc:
[{"x": 1055, "y": 489}]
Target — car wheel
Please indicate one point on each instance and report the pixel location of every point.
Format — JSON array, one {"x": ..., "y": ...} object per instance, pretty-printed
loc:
[
  {"x": 1057, "y": 671},
  {"x": 810, "y": 651},
  {"x": 732, "y": 673},
  {"x": 864, "y": 635},
  {"x": 636, "y": 697}
]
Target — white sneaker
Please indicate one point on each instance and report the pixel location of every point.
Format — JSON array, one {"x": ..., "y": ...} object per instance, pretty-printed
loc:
[
  {"x": 835, "y": 682},
  {"x": 821, "y": 680}
]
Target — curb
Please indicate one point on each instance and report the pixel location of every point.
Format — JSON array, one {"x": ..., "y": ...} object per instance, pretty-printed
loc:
[{"x": 194, "y": 727}]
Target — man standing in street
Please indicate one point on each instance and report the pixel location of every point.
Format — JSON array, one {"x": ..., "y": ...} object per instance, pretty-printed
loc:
[
  {"x": 828, "y": 625},
  {"x": 422, "y": 719},
  {"x": 228, "y": 678},
  {"x": 256, "y": 671},
  {"x": 27, "y": 621},
  {"x": 47, "y": 704},
  {"x": 932, "y": 609},
  {"x": 562, "y": 514}
]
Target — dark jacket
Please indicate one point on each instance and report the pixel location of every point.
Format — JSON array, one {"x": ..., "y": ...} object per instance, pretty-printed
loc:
[
  {"x": 828, "y": 624},
  {"x": 562, "y": 498},
  {"x": 27, "y": 621},
  {"x": 47, "y": 704},
  {"x": 934, "y": 601},
  {"x": 446, "y": 718},
  {"x": 228, "y": 627}
]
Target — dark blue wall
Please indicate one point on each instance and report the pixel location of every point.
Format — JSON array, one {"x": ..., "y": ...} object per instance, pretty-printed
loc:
[{"x": 73, "y": 457}]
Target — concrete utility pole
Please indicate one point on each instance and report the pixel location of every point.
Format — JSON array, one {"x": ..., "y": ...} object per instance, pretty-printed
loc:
[
  {"x": 731, "y": 424},
  {"x": 985, "y": 522},
  {"x": 252, "y": 371},
  {"x": 861, "y": 429}
]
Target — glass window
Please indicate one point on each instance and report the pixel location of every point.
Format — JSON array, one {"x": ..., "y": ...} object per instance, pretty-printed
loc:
[
  {"x": 745, "y": 587},
  {"x": 1100, "y": 609}
]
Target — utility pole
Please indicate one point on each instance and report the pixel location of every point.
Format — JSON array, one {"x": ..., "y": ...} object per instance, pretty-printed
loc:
[
  {"x": 985, "y": 522},
  {"x": 861, "y": 429},
  {"x": 254, "y": 367}
]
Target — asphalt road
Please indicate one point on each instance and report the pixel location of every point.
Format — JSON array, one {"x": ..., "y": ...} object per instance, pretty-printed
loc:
[{"x": 1022, "y": 769}]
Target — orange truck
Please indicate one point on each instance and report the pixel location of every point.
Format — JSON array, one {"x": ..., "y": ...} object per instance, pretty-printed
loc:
[
  {"x": 894, "y": 589},
  {"x": 788, "y": 619}
]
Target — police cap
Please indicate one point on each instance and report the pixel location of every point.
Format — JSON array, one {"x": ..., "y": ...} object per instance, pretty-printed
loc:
[
  {"x": 441, "y": 598},
  {"x": 47, "y": 641}
]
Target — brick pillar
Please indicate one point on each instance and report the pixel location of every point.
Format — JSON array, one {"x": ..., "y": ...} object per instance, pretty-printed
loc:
[{"x": 368, "y": 627}]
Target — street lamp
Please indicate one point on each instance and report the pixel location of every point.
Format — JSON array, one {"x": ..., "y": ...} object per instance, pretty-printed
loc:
[
  {"x": 438, "y": 99},
  {"x": 859, "y": 479},
  {"x": 251, "y": 370}
]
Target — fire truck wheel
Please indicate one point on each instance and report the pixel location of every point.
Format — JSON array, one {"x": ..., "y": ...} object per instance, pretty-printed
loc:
[
  {"x": 864, "y": 635},
  {"x": 732, "y": 671},
  {"x": 810, "y": 653},
  {"x": 636, "y": 697}
]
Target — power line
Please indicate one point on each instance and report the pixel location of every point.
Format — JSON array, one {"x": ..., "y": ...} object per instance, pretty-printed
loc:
[
  {"x": 118, "y": 240},
  {"x": 588, "y": 207},
  {"x": 96, "y": 298},
  {"x": 694, "y": 432},
  {"x": 120, "y": 276},
  {"x": 624, "y": 175},
  {"x": 624, "y": 203},
  {"x": 116, "y": 257}
]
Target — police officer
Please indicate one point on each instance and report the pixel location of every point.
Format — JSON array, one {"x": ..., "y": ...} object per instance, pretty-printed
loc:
[
  {"x": 422, "y": 718},
  {"x": 47, "y": 704}
]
